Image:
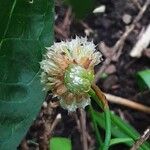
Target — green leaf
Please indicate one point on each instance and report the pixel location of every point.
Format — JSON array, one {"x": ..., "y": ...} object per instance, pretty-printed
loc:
[
  {"x": 120, "y": 129},
  {"x": 143, "y": 79},
  {"x": 26, "y": 28},
  {"x": 59, "y": 143},
  {"x": 121, "y": 140}
]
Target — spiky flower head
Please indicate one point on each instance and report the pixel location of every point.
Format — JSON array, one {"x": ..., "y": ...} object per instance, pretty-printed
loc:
[{"x": 68, "y": 71}]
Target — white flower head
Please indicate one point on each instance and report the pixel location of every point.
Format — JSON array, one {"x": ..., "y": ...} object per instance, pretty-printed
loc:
[{"x": 68, "y": 71}]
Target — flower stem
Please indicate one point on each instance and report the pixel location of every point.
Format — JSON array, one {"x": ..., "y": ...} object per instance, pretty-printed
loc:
[
  {"x": 98, "y": 136},
  {"x": 100, "y": 99}
]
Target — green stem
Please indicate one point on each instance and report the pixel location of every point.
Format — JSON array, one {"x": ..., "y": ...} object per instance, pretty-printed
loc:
[
  {"x": 127, "y": 130},
  {"x": 98, "y": 136},
  {"x": 107, "y": 118},
  {"x": 120, "y": 140},
  {"x": 108, "y": 129},
  {"x": 120, "y": 129}
]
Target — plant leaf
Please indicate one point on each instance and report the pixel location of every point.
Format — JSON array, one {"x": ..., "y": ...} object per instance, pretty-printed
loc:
[
  {"x": 120, "y": 129},
  {"x": 26, "y": 28},
  {"x": 121, "y": 140},
  {"x": 57, "y": 143},
  {"x": 143, "y": 79}
]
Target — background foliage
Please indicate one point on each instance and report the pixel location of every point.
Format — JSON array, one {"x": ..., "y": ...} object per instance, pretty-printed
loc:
[{"x": 26, "y": 28}]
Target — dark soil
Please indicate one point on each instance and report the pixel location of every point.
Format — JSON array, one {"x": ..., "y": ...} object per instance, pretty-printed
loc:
[{"x": 106, "y": 27}]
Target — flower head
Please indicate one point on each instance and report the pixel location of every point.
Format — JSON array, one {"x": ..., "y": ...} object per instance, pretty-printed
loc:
[{"x": 68, "y": 71}]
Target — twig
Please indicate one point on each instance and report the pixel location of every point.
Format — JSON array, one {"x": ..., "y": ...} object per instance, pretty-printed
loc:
[
  {"x": 60, "y": 32},
  {"x": 119, "y": 44},
  {"x": 24, "y": 145},
  {"x": 141, "y": 44},
  {"x": 141, "y": 140},
  {"x": 77, "y": 122},
  {"x": 63, "y": 28},
  {"x": 87, "y": 30},
  {"x": 127, "y": 102},
  {"x": 131, "y": 27},
  {"x": 83, "y": 128},
  {"x": 137, "y": 4},
  {"x": 89, "y": 139},
  {"x": 85, "y": 25},
  {"x": 67, "y": 20},
  {"x": 45, "y": 125},
  {"x": 47, "y": 131},
  {"x": 54, "y": 124},
  {"x": 43, "y": 136},
  {"x": 141, "y": 12}
]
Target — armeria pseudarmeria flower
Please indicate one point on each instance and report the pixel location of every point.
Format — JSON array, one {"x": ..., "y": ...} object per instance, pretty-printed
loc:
[{"x": 68, "y": 71}]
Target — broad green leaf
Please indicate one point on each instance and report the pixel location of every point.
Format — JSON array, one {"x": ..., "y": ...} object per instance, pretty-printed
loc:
[
  {"x": 26, "y": 28},
  {"x": 59, "y": 143},
  {"x": 143, "y": 79}
]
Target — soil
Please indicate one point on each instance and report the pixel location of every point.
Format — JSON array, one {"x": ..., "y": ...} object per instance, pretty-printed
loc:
[{"x": 107, "y": 27}]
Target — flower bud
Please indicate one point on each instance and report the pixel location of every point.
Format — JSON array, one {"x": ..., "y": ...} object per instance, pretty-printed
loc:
[
  {"x": 68, "y": 71},
  {"x": 77, "y": 79}
]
